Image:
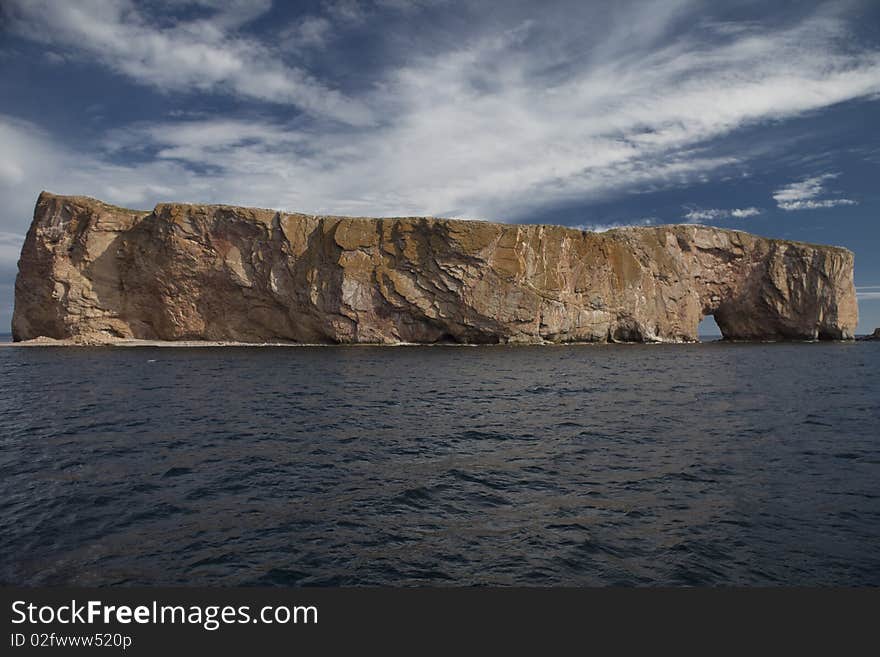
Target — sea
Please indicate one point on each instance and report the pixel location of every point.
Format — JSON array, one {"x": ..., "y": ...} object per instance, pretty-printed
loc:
[{"x": 713, "y": 464}]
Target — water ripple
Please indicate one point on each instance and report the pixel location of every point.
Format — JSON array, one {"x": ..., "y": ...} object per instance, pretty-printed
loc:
[{"x": 658, "y": 465}]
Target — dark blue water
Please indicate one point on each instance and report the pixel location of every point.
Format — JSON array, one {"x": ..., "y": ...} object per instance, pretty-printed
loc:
[{"x": 641, "y": 465}]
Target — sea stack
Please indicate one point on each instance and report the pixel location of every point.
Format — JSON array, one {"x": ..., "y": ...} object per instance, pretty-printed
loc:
[{"x": 94, "y": 273}]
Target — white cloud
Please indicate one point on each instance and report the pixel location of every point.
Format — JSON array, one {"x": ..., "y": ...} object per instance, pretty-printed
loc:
[
  {"x": 10, "y": 173},
  {"x": 495, "y": 125},
  {"x": 744, "y": 213},
  {"x": 702, "y": 215},
  {"x": 807, "y": 188},
  {"x": 408, "y": 5},
  {"x": 198, "y": 55},
  {"x": 710, "y": 214},
  {"x": 346, "y": 10},
  {"x": 865, "y": 292},
  {"x": 802, "y": 195},
  {"x": 33, "y": 161},
  {"x": 27, "y": 157},
  {"x": 813, "y": 205},
  {"x": 10, "y": 248},
  {"x": 601, "y": 227},
  {"x": 338, "y": 16},
  {"x": 308, "y": 32},
  {"x": 229, "y": 13}
]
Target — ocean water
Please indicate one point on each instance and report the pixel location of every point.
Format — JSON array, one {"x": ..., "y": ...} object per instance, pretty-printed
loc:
[{"x": 710, "y": 464}]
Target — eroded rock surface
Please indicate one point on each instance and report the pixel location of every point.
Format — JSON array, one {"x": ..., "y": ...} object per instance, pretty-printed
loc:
[{"x": 92, "y": 272}]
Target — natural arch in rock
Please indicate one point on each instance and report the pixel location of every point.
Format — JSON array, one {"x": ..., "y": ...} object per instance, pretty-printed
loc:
[{"x": 92, "y": 272}]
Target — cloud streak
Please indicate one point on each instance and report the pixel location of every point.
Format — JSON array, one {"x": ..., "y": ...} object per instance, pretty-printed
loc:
[
  {"x": 203, "y": 55},
  {"x": 802, "y": 195},
  {"x": 601, "y": 228},
  {"x": 509, "y": 118},
  {"x": 699, "y": 214},
  {"x": 867, "y": 292}
]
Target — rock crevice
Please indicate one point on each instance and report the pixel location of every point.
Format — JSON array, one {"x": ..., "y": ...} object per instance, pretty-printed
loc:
[{"x": 92, "y": 272}]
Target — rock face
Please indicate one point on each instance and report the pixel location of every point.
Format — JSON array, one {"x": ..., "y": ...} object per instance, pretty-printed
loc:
[{"x": 92, "y": 272}]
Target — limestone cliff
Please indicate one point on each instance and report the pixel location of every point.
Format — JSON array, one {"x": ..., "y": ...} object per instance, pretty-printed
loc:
[{"x": 93, "y": 272}]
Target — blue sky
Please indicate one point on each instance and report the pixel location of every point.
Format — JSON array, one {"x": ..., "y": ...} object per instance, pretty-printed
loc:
[{"x": 749, "y": 115}]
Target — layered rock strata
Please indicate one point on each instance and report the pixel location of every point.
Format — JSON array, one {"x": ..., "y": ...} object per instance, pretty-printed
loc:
[{"x": 91, "y": 272}]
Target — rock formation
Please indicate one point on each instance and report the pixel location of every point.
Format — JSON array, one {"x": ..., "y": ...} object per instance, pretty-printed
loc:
[{"x": 91, "y": 272}]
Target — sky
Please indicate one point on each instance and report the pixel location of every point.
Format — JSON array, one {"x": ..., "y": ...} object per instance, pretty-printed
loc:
[{"x": 756, "y": 116}]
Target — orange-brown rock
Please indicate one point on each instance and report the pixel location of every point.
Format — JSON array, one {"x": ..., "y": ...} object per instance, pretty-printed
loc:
[{"x": 91, "y": 272}]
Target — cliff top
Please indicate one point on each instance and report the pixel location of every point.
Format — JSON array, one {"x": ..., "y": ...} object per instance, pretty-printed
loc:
[{"x": 270, "y": 212}]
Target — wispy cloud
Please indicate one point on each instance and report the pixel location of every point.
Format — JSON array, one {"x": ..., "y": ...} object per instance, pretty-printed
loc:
[
  {"x": 334, "y": 18},
  {"x": 802, "y": 195},
  {"x": 10, "y": 247},
  {"x": 10, "y": 238},
  {"x": 602, "y": 227},
  {"x": 33, "y": 160},
  {"x": 710, "y": 214},
  {"x": 496, "y": 123},
  {"x": 813, "y": 205},
  {"x": 352, "y": 11},
  {"x": 866, "y": 292},
  {"x": 744, "y": 213},
  {"x": 203, "y": 54},
  {"x": 307, "y": 32}
]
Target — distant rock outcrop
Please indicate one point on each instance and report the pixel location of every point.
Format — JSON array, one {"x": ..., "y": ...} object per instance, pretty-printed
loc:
[
  {"x": 91, "y": 272},
  {"x": 873, "y": 336}
]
